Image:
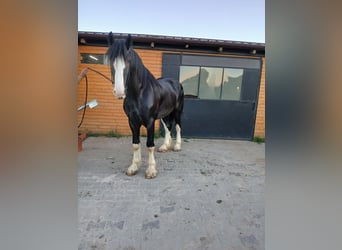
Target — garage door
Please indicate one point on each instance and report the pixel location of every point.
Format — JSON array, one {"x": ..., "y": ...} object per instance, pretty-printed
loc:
[{"x": 221, "y": 94}]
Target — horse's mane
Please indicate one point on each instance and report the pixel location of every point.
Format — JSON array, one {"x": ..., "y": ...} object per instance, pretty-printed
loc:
[{"x": 137, "y": 63}]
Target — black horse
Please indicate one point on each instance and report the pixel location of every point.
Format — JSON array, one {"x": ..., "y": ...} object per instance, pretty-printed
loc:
[{"x": 145, "y": 100}]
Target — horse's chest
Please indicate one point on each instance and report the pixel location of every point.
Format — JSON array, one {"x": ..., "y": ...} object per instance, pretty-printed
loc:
[{"x": 135, "y": 111}]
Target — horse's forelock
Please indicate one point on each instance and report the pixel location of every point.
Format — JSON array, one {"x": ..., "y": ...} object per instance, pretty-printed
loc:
[{"x": 117, "y": 49}]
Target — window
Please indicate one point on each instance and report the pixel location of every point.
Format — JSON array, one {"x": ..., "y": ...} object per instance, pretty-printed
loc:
[
  {"x": 189, "y": 77},
  {"x": 212, "y": 83},
  {"x": 93, "y": 58},
  {"x": 231, "y": 86}
]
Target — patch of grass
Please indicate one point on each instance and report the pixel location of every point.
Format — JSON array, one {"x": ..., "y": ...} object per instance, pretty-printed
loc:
[
  {"x": 113, "y": 134},
  {"x": 109, "y": 134},
  {"x": 259, "y": 140},
  {"x": 94, "y": 134}
]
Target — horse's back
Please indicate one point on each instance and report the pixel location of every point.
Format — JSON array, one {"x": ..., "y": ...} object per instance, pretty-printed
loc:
[
  {"x": 171, "y": 96},
  {"x": 170, "y": 85}
]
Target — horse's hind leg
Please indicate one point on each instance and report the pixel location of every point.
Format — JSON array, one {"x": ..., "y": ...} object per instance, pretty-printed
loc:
[
  {"x": 167, "y": 139},
  {"x": 178, "y": 144}
]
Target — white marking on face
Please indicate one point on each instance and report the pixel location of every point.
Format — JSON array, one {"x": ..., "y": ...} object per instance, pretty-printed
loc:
[{"x": 119, "y": 87}]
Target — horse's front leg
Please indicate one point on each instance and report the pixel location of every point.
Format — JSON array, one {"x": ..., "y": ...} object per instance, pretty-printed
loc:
[
  {"x": 151, "y": 171},
  {"x": 136, "y": 161}
]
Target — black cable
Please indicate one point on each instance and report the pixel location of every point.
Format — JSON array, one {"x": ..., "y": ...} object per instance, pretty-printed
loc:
[
  {"x": 102, "y": 75},
  {"x": 85, "y": 102},
  {"x": 86, "y": 95}
]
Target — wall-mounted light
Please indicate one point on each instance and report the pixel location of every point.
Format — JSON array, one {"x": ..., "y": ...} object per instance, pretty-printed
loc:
[
  {"x": 93, "y": 57},
  {"x": 83, "y": 41},
  {"x": 220, "y": 49},
  {"x": 152, "y": 45},
  {"x": 253, "y": 52},
  {"x": 187, "y": 46}
]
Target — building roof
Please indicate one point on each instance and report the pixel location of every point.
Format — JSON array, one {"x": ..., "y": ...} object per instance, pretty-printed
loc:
[{"x": 175, "y": 42}]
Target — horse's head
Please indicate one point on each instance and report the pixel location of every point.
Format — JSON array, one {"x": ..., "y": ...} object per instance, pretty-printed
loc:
[{"x": 118, "y": 59}]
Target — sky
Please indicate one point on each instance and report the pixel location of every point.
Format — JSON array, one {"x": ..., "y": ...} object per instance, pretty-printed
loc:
[{"x": 242, "y": 20}]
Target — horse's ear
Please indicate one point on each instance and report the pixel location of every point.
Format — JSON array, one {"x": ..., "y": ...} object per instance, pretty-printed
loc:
[
  {"x": 110, "y": 38},
  {"x": 129, "y": 41}
]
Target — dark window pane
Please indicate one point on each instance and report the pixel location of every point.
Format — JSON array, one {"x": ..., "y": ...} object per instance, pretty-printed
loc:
[
  {"x": 210, "y": 83},
  {"x": 188, "y": 77},
  {"x": 93, "y": 58},
  {"x": 232, "y": 81}
]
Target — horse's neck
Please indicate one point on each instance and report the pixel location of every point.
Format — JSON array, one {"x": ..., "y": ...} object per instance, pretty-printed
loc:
[
  {"x": 139, "y": 75},
  {"x": 134, "y": 83}
]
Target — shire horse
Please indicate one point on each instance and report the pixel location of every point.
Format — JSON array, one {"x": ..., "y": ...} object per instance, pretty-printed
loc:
[{"x": 146, "y": 99}]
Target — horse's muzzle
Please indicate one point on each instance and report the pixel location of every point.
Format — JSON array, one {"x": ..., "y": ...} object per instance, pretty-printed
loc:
[{"x": 119, "y": 95}]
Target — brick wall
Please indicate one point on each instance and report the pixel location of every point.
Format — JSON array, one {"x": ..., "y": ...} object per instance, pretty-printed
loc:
[{"x": 260, "y": 116}]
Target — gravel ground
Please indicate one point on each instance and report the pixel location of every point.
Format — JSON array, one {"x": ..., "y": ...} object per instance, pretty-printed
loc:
[{"x": 210, "y": 195}]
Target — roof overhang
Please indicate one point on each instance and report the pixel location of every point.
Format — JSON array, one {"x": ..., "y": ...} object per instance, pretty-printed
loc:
[{"x": 175, "y": 43}]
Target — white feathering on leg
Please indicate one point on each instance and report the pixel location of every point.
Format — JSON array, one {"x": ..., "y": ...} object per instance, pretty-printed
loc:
[
  {"x": 177, "y": 146},
  {"x": 134, "y": 167},
  {"x": 151, "y": 171},
  {"x": 167, "y": 139}
]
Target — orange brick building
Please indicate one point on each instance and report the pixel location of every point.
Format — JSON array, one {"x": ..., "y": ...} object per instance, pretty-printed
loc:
[{"x": 224, "y": 83}]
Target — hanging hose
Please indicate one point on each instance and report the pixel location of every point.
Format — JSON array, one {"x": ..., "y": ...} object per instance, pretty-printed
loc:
[
  {"x": 85, "y": 102},
  {"x": 84, "y": 74}
]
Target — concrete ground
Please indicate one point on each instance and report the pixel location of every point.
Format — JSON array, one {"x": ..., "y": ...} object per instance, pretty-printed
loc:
[{"x": 210, "y": 195}]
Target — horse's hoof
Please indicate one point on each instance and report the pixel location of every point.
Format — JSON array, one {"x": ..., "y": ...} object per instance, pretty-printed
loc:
[
  {"x": 151, "y": 175},
  {"x": 177, "y": 148},
  {"x": 131, "y": 173},
  {"x": 163, "y": 148}
]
